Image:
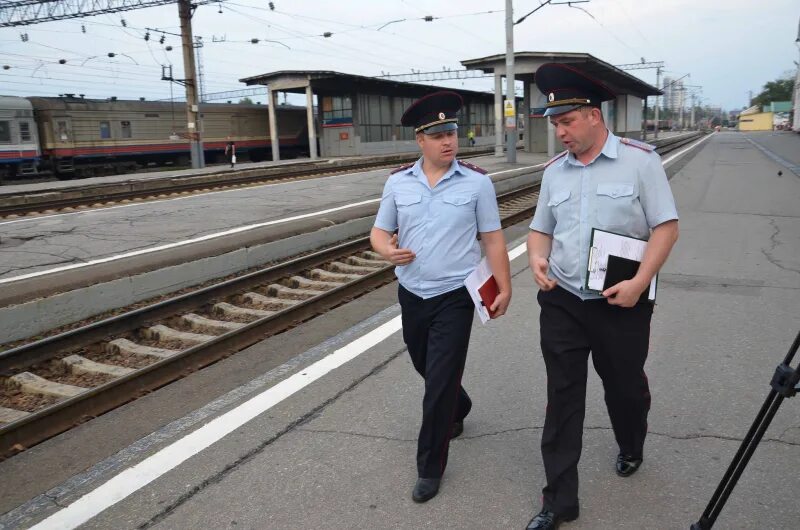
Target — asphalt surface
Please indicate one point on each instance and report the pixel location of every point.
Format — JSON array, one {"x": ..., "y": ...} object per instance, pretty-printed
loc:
[{"x": 340, "y": 453}]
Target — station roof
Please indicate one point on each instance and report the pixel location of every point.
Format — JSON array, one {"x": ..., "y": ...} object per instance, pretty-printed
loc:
[
  {"x": 526, "y": 64},
  {"x": 331, "y": 82}
]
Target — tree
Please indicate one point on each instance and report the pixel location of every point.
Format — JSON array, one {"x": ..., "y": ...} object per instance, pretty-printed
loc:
[
  {"x": 778, "y": 90},
  {"x": 246, "y": 101}
]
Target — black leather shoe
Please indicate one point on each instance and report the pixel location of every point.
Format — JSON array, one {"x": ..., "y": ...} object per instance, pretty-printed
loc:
[
  {"x": 627, "y": 465},
  {"x": 425, "y": 489},
  {"x": 458, "y": 428},
  {"x": 547, "y": 520}
]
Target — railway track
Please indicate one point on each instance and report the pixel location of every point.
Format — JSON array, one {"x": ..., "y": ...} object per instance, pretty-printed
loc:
[
  {"x": 50, "y": 385},
  {"x": 110, "y": 195}
]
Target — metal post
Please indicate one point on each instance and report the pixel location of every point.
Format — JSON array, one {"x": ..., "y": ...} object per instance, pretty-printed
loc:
[
  {"x": 312, "y": 132},
  {"x": 498, "y": 114},
  {"x": 644, "y": 130},
  {"x": 511, "y": 121},
  {"x": 526, "y": 120},
  {"x": 691, "y": 119},
  {"x": 192, "y": 106},
  {"x": 272, "y": 101},
  {"x": 658, "y": 80}
]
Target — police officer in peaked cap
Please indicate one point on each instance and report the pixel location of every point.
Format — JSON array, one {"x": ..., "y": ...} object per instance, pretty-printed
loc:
[
  {"x": 618, "y": 185},
  {"x": 430, "y": 214}
]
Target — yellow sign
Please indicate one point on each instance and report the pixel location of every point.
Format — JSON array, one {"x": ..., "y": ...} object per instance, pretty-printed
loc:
[{"x": 509, "y": 109}]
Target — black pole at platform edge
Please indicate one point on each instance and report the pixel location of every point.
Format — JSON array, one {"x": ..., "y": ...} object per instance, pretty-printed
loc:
[{"x": 783, "y": 386}]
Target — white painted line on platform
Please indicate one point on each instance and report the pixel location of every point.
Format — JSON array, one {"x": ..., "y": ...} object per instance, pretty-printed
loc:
[
  {"x": 137, "y": 476},
  {"x": 167, "y": 246},
  {"x": 681, "y": 152}
]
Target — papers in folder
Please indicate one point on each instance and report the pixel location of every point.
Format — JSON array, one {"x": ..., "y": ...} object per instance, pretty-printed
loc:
[
  {"x": 626, "y": 253},
  {"x": 482, "y": 289}
]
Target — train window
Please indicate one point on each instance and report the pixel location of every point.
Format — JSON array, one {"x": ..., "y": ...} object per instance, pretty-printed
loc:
[
  {"x": 5, "y": 131},
  {"x": 126, "y": 129},
  {"x": 105, "y": 130},
  {"x": 61, "y": 131},
  {"x": 25, "y": 131},
  {"x": 146, "y": 115}
]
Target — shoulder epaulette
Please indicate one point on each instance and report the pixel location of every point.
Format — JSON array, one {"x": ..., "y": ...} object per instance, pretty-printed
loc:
[
  {"x": 473, "y": 167},
  {"x": 636, "y": 143},
  {"x": 559, "y": 155},
  {"x": 402, "y": 168}
]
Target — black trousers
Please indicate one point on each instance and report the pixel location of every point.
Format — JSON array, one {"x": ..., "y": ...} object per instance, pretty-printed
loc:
[
  {"x": 618, "y": 340},
  {"x": 436, "y": 332}
]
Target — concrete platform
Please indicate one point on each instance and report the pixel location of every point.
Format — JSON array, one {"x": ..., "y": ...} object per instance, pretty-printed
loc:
[{"x": 340, "y": 452}]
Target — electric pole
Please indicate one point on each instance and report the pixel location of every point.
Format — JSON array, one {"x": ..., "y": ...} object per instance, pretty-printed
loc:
[
  {"x": 658, "y": 82},
  {"x": 190, "y": 81},
  {"x": 510, "y": 107}
]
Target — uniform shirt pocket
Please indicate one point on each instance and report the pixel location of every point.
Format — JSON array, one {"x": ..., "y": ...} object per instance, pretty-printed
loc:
[
  {"x": 615, "y": 203},
  {"x": 409, "y": 209},
  {"x": 563, "y": 212},
  {"x": 557, "y": 197},
  {"x": 460, "y": 207}
]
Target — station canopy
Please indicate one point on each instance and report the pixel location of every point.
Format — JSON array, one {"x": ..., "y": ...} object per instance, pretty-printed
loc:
[
  {"x": 526, "y": 64},
  {"x": 330, "y": 82}
]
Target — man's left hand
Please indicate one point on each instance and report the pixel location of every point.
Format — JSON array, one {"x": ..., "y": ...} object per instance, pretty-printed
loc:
[
  {"x": 625, "y": 293},
  {"x": 500, "y": 305}
]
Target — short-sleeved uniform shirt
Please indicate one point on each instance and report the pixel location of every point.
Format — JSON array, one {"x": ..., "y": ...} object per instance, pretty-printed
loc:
[
  {"x": 439, "y": 224},
  {"x": 624, "y": 190}
]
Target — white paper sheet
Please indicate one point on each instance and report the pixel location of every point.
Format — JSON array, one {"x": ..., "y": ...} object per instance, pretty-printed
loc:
[
  {"x": 607, "y": 243},
  {"x": 473, "y": 282}
]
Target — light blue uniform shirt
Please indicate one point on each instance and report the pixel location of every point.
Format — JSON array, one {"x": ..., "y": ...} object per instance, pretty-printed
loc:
[
  {"x": 439, "y": 224},
  {"x": 624, "y": 190}
]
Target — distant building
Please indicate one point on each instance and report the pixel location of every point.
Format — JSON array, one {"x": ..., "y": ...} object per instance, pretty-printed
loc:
[
  {"x": 781, "y": 113},
  {"x": 673, "y": 94},
  {"x": 753, "y": 119}
]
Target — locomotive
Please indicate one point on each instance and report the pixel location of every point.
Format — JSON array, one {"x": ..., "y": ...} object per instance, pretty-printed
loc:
[{"x": 75, "y": 137}]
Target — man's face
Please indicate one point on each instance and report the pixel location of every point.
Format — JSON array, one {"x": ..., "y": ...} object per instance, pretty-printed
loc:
[
  {"x": 577, "y": 129},
  {"x": 440, "y": 148}
]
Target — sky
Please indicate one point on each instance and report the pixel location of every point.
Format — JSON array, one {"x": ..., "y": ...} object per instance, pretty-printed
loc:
[{"x": 728, "y": 47}]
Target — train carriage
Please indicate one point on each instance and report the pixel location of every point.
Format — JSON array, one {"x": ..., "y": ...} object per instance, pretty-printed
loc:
[
  {"x": 19, "y": 141},
  {"x": 84, "y": 137}
]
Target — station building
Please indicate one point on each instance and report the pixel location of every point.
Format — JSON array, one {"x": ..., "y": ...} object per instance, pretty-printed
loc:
[{"x": 359, "y": 115}]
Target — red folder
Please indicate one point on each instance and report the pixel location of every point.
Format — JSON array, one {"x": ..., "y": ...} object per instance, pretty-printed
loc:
[{"x": 489, "y": 292}]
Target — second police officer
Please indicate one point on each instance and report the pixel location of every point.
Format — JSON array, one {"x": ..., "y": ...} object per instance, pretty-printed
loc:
[{"x": 615, "y": 184}]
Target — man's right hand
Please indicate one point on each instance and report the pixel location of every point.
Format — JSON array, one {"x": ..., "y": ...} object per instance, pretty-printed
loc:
[
  {"x": 398, "y": 256},
  {"x": 540, "y": 266}
]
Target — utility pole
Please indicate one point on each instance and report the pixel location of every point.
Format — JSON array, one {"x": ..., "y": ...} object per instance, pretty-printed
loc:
[
  {"x": 658, "y": 82},
  {"x": 510, "y": 107},
  {"x": 192, "y": 105},
  {"x": 691, "y": 120},
  {"x": 198, "y": 44}
]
